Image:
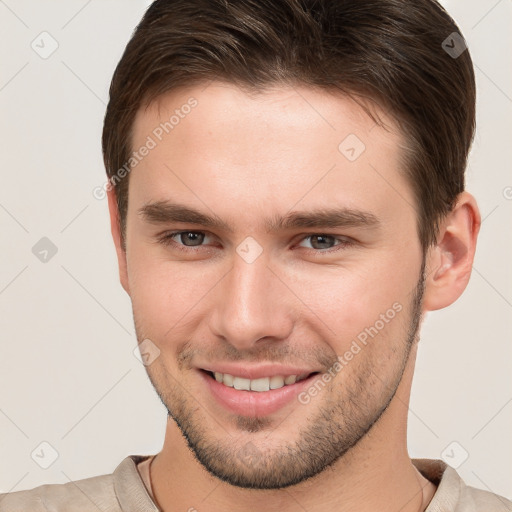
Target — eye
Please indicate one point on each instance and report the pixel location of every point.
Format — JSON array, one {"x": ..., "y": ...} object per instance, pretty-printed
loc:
[
  {"x": 326, "y": 243},
  {"x": 184, "y": 239}
]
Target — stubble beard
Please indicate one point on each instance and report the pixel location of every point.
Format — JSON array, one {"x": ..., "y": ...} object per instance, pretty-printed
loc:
[{"x": 337, "y": 426}]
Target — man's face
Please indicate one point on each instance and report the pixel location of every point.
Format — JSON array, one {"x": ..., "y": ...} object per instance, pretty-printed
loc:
[{"x": 256, "y": 296}]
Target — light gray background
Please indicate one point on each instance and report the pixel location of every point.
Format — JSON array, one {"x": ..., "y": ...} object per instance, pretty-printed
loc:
[{"x": 68, "y": 375}]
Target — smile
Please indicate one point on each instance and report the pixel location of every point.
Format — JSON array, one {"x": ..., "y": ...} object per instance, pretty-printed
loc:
[
  {"x": 257, "y": 396},
  {"x": 261, "y": 384}
]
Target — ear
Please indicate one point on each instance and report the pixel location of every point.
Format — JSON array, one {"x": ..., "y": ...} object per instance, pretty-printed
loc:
[
  {"x": 450, "y": 261},
  {"x": 115, "y": 227}
]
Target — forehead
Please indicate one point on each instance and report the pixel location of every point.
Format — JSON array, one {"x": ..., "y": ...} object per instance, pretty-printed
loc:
[
  {"x": 290, "y": 112},
  {"x": 265, "y": 151}
]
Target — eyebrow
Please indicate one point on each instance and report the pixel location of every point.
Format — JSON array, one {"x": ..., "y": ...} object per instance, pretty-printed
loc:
[{"x": 165, "y": 212}]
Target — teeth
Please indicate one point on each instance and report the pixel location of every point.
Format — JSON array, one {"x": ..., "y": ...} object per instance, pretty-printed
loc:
[
  {"x": 276, "y": 382},
  {"x": 227, "y": 379},
  {"x": 240, "y": 383},
  {"x": 290, "y": 379},
  {"x": 262, "y": 384}
]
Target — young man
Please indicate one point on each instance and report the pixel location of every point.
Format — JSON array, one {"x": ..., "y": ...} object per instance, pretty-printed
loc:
[{"x": 286, "y": 191}]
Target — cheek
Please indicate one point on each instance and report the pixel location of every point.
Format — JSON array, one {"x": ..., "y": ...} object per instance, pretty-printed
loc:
[
  {"x": 359, "y": 303},
  {"x": 164, "y": 293}
]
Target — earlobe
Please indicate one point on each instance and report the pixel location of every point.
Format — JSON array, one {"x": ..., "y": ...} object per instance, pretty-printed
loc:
[
  {"x": 115, "y": 228},
  {"x": 450, "y": 261}
]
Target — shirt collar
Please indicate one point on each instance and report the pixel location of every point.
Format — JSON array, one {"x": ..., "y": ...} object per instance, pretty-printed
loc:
[
  {"x": 446, "y": 479},
  {"x": 134, "y": 497},
  {"x": 129, "y": 487}
]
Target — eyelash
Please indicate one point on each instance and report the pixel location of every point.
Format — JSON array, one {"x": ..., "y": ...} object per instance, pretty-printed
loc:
[{"x": 167, "y": 240}]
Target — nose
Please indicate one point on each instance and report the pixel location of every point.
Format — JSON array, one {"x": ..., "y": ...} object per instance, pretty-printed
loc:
[{"x": 251, "y": 304}]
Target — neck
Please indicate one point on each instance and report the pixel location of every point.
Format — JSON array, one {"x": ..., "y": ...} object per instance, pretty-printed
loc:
[{"x": 376, "y": 474}]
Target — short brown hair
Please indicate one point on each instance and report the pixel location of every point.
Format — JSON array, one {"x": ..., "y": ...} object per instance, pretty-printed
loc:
[{"x": 390, "y": 51}]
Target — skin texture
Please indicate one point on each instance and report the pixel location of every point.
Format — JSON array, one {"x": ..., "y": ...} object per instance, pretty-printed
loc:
[{"x": 245, "y": 159}]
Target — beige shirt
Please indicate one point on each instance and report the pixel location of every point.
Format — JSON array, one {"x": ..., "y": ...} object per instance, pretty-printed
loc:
[{"x": 128, "y": 489}]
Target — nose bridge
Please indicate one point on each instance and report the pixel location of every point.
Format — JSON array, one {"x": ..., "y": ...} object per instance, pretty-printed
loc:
[{"x": 251, "y": 304}]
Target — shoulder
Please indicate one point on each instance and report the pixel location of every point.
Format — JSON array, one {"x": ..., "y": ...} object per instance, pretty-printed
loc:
[
  {"x": 94, "y": 493},
  {"x": 472, "y": 499},
  {"x": 80, "y": 495},
  {"x": 121, "y": 490},
  {"x": 454, "y": 495}
]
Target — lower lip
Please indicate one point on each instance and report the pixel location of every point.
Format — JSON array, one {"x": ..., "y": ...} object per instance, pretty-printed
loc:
[{"x": 255, "y": 403}]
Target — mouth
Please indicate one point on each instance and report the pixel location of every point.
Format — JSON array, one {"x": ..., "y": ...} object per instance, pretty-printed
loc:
[
  {"x": 261, "y": 384},
  {"x": 255, "y": 397}
]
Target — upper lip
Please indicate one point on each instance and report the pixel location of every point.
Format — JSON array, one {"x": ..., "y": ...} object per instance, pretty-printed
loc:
[{"x": 257, "y": 372}]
